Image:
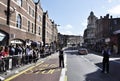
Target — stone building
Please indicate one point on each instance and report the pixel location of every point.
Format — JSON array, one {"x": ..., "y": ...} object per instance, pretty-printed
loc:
[
  {"x": 75, "y": 40},
  {"x": 89, "y": 32}
]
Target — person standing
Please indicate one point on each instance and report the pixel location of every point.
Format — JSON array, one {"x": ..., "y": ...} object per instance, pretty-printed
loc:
[
  {"x": 106, "y": 53},
  {"x": 61, "y": 58}
]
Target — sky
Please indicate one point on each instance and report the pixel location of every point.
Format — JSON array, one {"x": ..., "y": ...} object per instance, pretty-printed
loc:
[{"x": 72, "y": 15}]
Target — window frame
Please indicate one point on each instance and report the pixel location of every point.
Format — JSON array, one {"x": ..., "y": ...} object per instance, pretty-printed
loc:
[
  {"x": 19, "y": 21},
  {"x": 19, "y": 2},
  {"x": 28, "y": 25}
]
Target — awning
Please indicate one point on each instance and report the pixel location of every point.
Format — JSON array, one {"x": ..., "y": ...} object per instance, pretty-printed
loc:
[
  {"x": 2, "y": 36},
  {"x": 116, "y": 32},
  {"x": 16, "y": 42}
]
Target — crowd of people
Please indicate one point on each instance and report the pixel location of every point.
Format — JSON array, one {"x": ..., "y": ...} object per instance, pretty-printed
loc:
[{"x": 20, "y": 55}]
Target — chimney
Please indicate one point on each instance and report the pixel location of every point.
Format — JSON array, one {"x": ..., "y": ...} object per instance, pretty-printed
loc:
[
  {"x": 111, "y": 16},
  {"x": 107, "y": 16}
]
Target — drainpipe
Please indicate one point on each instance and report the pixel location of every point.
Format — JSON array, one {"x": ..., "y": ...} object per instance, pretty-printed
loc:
[{"x": 8, "y": 13}]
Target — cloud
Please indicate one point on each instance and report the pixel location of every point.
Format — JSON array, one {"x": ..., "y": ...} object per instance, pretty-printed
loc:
[
  {"x": 84, "y": 26},
  {"x": 68, "y": 26},
  {"x": 110, "y": 1},
  {"x": 67, "y": 30},
  {"x": 115, "y": 10},
  {"x": 67, "y": 33},
  {"x": 84, "y": 23}
]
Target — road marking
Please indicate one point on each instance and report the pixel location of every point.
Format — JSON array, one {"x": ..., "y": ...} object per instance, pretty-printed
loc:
[
  {"x": 116, "y": 62},
  {"x": 14, "y": 76},
  {"x": 91, "y": 62},
  {"x": 65, "y": 78},
  {"x": 1, "y": 78},
  {"x": 51, "y": 71},
  {"x": 44, "y": 68},
  {"x": 62, "y": 76}
]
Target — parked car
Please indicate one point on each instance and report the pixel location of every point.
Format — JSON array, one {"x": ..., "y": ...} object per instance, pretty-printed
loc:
[{"x": 82, "y": 51}]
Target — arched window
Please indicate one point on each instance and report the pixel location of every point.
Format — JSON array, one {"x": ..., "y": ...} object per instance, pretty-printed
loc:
[
  {"x": 19, "y": 2},
  {"x": 19, "y": 21}
]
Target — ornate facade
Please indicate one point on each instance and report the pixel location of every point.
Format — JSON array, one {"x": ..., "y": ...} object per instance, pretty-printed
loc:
[{"x": 89, "y": 33}]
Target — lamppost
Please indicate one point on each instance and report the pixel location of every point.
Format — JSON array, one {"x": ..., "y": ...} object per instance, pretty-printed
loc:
[
  {"x": 8, "y": 12},
  {"x": 36, "y": 3}
]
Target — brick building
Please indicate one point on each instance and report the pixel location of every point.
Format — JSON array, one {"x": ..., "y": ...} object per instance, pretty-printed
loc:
[
  {"x": 17, "y": 21},
  {"x": 103, "y": 32},
  {"x": 108, "y": 31},
  {"x": 21, "y": 21}
]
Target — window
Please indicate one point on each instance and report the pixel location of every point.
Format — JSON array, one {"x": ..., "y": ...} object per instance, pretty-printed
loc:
[
  {"x": 115, "y": 22},
  {"x": 33, "y": 13},
  {"x": 39, "y": 18},
  {"x": 32, "y": 27},
  {"x": 39, "y": 31},
  {"x": 29, "y": 10},
  {"x": 19, "y": 2},
  {"x": 28, "y": 26},
  {"x": 19, "y": 21}
]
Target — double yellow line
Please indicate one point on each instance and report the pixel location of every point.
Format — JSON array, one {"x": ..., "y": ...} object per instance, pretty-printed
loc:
[{"x": 14, "y": 76}]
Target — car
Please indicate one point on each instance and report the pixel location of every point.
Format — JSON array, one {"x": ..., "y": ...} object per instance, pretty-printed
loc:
[{"x": 82, "y": 51}]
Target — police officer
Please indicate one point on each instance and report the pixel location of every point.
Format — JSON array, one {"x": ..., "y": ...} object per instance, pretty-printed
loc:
[
  {"x": 61, "y": 58},
  {"x": 106, "y": 53}
]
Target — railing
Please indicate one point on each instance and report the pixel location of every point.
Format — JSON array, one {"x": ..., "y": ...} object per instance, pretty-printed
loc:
[{"x": 16, "y": 61}]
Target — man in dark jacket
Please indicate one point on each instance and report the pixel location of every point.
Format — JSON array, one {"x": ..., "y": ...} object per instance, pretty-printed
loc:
[
  {"x": 106, "y": 53},
  {"x": 61, "y": 58}
]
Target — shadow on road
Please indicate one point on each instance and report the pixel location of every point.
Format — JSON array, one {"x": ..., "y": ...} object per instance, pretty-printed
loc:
[
  {"x": 98, "y": 76},
  {"x": 114, "y": 71}
]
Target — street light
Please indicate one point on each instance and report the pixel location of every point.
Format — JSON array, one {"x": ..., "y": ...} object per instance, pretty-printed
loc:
[
  {"x": 9, "y": 11},
  {"x": 36, "y": 3}
]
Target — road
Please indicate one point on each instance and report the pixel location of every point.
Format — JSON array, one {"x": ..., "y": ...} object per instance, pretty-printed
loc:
[
  {"x": 45, "y": 70},
  {"x": 88, "y": 67},
  {"x": 77, "y": 68}
]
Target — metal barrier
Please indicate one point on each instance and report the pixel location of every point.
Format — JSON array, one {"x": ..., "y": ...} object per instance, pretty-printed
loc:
[{"x": 14, "y": 61}]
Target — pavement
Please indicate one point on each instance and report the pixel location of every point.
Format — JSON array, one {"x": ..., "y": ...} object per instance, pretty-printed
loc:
[
  {"x": 99, "y": 53},
  {"x": 49, "y": 61},
  {"x": 9, "y": 73}
]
